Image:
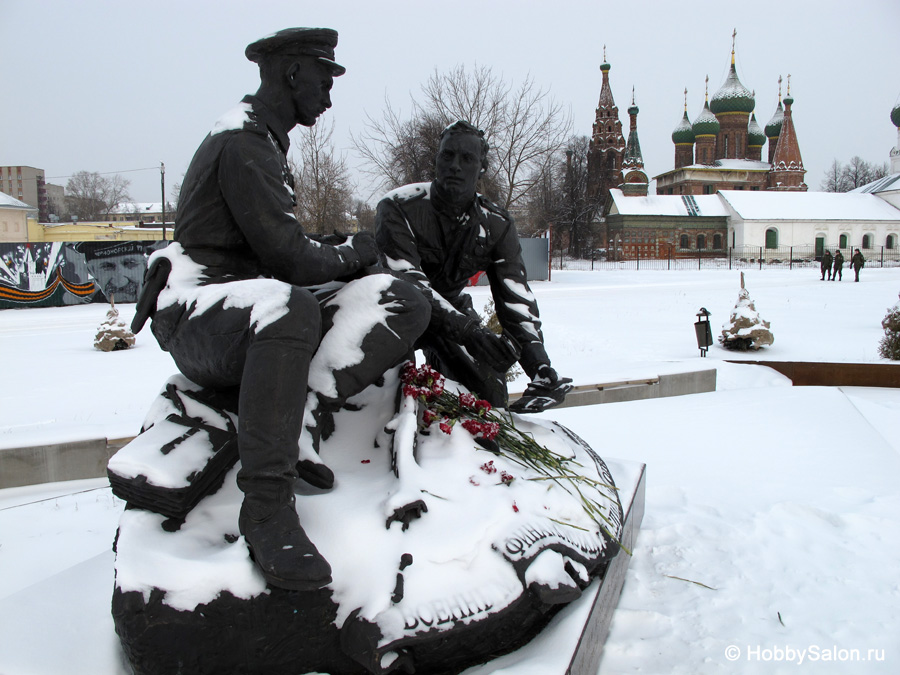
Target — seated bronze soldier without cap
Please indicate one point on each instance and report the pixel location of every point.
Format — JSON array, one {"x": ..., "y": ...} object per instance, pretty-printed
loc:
[
  {"x": 437, "y": 236},
  {"x": 244, "y": 299}
]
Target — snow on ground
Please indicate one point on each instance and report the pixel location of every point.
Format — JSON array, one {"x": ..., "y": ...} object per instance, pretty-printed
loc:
[{"x": 773, "y": 513}]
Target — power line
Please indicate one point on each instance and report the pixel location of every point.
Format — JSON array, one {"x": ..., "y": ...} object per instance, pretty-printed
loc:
[{"x": 108, "y": 173}]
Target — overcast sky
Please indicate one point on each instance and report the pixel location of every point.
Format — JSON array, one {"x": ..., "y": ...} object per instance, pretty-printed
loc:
[{"x": 124, "y": 85}]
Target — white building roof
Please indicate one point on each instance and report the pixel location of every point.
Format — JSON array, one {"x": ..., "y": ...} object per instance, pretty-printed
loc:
[
  {"x": 888, "y": 183},
  {"x": 850, "y": 206},
  {"x": 137, "y": 207},
  {"x": 10, "y": 202},
  {"x": 667, "y": 205}
]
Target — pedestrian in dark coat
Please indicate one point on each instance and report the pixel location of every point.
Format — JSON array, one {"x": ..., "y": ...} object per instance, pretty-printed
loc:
[
  {"x": 826, "y": 265},
  {"x": 837, "y": 270},
  {"x": 857, "y": 262}
]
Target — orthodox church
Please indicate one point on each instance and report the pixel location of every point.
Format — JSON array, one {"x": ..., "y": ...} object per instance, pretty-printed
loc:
[
  {"x": 722, "y": 148},
  {"x": 722, "y": 194},
  {"x": 613, "y": 162}
]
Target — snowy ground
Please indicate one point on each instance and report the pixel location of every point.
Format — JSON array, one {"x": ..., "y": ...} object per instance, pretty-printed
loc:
[{"x": 773, "y": 513}]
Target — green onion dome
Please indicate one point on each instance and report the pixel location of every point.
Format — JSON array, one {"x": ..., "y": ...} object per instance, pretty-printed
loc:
[
  {"x": 732, "y": 96},
  {"x": 773, "y": 128},
  {"x": 684, "y": 132},
  {"x": 633, "y": 109},
  {"x": 895, "y": 115},
  {"x": 755, "y": 135},
  {"x": 706, "y": 123}
]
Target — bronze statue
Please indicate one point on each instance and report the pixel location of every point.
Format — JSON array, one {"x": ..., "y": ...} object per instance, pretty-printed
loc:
[
  {"x": 244, "y": 299},
  {"x": 437, "y": 235},
  {"x": 453, "y": 534}
]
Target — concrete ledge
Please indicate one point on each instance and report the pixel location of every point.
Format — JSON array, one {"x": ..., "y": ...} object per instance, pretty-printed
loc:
[
  {"x": 54, "y": 462},
  {"x": 674, "y": 384}
]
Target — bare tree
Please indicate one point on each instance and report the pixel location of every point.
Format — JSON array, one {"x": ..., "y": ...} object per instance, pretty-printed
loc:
[
  {"x": 321, "y": 183},
  {"x": 545, "y": 205},
  {"x": 524, "y": 126},
  {"x": 365, "y": 216},
  {"x": 877, "y": 171},
  {"x": 91, "y": 196},
  {"x": 857, "y": 172},
  {"x": 560, "y": 197},
  {"x": 834, "y": 180},
  {"x": 399, "y": 151}
]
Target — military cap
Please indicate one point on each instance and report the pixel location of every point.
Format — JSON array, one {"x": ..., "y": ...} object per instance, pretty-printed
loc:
[{"x": 318, "y": 42}]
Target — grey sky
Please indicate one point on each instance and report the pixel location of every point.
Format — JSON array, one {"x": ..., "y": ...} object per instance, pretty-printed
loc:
[{"x": 114, "y": 86}]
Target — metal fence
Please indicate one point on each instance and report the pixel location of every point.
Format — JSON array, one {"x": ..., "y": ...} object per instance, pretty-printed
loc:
[{"x": 743, "y": 257}]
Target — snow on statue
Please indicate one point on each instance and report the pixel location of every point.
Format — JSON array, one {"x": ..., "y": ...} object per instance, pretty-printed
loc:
[
  {"x": 454, "y": 532},
  {"x": 745, "y": 330}
]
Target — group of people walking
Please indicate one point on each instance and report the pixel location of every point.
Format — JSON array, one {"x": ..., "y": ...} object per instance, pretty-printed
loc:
[{"x": 833, "y": 267}]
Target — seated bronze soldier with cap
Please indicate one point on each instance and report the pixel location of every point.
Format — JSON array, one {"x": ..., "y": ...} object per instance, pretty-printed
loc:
[{"x": 244, "y": 298}]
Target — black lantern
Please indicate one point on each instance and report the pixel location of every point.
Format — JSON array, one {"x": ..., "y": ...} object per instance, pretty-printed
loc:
[{"x": 703, "y": 330}]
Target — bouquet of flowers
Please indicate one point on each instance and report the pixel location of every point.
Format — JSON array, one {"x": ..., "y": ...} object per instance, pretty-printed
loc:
[{"x": 497, "y": 433}]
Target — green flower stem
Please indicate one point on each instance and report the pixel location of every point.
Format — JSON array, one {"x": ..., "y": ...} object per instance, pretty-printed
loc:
[{"x": 521, "y": 448}]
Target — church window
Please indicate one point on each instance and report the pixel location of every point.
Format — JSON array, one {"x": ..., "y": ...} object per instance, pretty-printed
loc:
[
  {"x": 726, "y": 147},
  {"x": 842, "y": 241},
  {"x": 891, "y": 242},
  {"x": 867, "y": 241},
  {"x": 685, "y": 241},
  {"x": 771, "y": 238},
  {"x": 717, "y": 241},
  {"x": 701, "y": 242}
]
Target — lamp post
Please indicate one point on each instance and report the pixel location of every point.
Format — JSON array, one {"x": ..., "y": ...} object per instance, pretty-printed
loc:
[{"x": 162, "y": 183}]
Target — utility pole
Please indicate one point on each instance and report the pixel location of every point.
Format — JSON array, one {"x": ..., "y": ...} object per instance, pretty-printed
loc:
[{"x": 162, "y": 182}]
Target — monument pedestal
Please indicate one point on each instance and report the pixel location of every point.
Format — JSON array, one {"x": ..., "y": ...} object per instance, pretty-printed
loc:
[{"x": 572, "y": 643}]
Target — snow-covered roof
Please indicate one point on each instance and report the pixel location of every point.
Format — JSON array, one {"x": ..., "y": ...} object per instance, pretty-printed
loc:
[
  {"x": 724, "y": 165},
  {"x": 887, "y": 183},
  {"x": 137, "y": 207},
  {"x": 667, "y": 205},
  {"x": 738, "y": 164},
  {"x": 808, "y": 206},
  {"x": 10, "y": 202}
]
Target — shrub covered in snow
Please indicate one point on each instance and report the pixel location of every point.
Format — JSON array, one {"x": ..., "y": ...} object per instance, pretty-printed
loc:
[
  {"x": 889, "y": 347},
  {"x": 746, "y": 330},
  {"x": 113, "y": 335}
]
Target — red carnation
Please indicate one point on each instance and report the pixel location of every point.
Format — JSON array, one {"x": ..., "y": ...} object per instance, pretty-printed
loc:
[
  {"x": 467, "y": 400},
  {"x": 490, "y": 430}
]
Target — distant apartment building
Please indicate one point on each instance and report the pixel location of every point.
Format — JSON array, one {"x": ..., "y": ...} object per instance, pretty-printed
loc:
[{"x": 28, "y": 184}]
